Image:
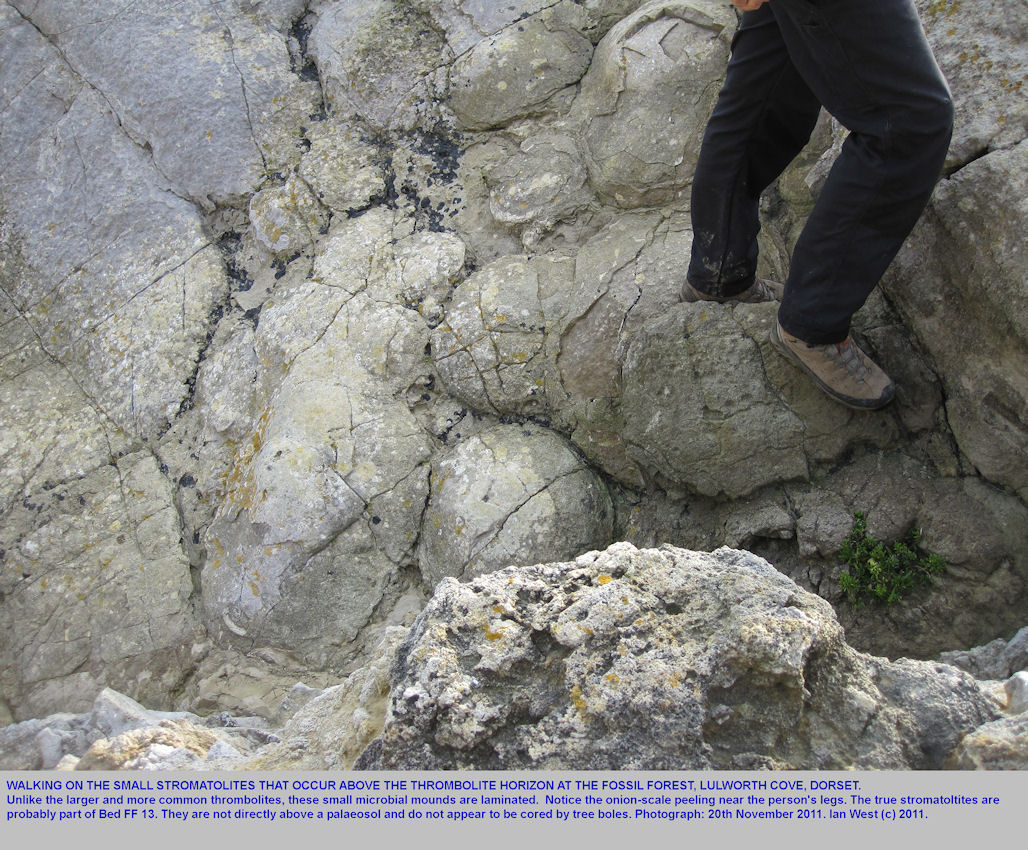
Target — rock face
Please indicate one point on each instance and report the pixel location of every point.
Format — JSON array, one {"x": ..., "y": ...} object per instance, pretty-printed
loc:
[
  {"x": 516, "y": 71},
  {"x": 976, "y": 215},
  {"x": 311, "y": 306},
  {"x": 627, "y": 658},
  {"x": 510, "y": 495},
  {"x": 647, "y": 96},
  {"x": 661, "y": 660},
  {"x": 104, "y": 562},
  {"x": 119, "y": 733}
]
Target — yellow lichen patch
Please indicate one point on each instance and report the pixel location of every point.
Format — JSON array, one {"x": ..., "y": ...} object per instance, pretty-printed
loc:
[
  {"x": 491, "y": 635},
  {"x": 577, "y": 699},
  {"x": 613, "y": 678},
  {"x": 604, "y": 579},
  {"x": 944, "y": 7}
]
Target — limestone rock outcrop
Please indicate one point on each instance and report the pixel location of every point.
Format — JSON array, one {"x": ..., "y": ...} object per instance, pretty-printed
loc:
[
  {"x": 662, "y": 660},
  {"x": 625, "y": 658},
  {"x": 646, "y": 99},
  {"x": 311, "y": 305}
]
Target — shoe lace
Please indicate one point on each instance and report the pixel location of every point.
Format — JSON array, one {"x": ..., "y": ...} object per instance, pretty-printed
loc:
[{"x": 849, "y": 357}]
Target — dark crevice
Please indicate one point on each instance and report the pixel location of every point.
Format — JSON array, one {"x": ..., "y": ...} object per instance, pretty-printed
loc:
[{"x": 972, "y": 157}]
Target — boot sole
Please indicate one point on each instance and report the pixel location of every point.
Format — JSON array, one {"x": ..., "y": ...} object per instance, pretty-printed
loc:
[{"x": 851, "y": 402}]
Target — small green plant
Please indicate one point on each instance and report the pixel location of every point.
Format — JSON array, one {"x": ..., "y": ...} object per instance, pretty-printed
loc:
[{"x": 881, "y": 572}]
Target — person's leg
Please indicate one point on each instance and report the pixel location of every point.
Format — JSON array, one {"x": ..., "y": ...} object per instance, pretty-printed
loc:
[
  {"x": 869, "y": 63},
  {"x": 763, "y": 118}
]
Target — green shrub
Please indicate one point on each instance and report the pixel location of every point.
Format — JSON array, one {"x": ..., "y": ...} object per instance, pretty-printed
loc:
[{"x": 881, "y": 572}]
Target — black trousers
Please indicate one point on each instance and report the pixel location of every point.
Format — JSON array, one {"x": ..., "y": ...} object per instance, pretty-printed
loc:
[{"x": 869, "y": 64}]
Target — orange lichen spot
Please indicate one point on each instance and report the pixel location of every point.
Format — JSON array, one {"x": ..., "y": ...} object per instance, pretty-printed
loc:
[
  {"x": 613, "y": 678},
  {"x": 604, "y": 579},
  {"x": 577, "y": 699},
  {"x": 491, "y": 635},
  {"x": 497, "y": 609}
]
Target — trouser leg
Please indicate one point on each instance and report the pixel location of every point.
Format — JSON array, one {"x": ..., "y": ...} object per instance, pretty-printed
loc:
[
  {"x": 763, "y": 117},
  {"x": 869, "y": 63}
]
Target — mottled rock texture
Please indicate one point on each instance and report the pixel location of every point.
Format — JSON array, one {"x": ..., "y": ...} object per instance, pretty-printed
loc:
[
  {"x": 309, "y": 306},
  {"x": 661, "y": 660},
  {"x": 665, "y": 659},
  {"x": 647, "y": 96},
  {"x": 119, "y": 733}
]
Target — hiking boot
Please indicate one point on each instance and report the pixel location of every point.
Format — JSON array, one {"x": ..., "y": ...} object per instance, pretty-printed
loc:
[
  {"x": 841, "y": 369},
  {"x": 761, "y": 290}
]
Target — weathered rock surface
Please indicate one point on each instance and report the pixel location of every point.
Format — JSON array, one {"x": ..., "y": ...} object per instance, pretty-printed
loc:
[
  {"x": 516, "y": 71},
  {"x": 124, "y": 309},
  {"x": 337, "y": 724},
  {"x": 1000, "y": 745},
  {"x": 224, "y": 117},
  {"x": 97, "y": 592},
  {"x": 289, "y": 289},
  {"x": 119, "y": 733},
  {"x": 647, "y": 96},
  {"x": 510, "y": 495},
  {"x": 330, "y": 490},
  {"x": 983, "y": 50},
  {"x": 736, "y": 418},
  {"x": 379, "y": 60},
  {"x": 964, "y": 268},
  {"x": 658, "y": 659},
  {"x": 620, "y": 658},
  {"x": 997, "y": 659}
]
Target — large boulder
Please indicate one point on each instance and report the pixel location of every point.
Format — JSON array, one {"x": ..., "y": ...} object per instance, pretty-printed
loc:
[
  {"x": 510, "y": 495},
  {"x": 323, "y": 503},
  {"x": 646, "y": 98},
  {"x": 662, "y": 660},
  {"x": 515, "y": 72},
  {"x": 963, "y": 268}
]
